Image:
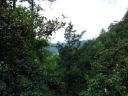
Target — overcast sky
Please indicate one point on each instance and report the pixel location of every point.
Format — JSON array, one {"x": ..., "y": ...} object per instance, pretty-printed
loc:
[{"x": 89, "y": 15}]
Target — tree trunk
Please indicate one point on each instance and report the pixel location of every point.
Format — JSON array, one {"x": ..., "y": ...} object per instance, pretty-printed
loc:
[{"x": 14, "y": 3}]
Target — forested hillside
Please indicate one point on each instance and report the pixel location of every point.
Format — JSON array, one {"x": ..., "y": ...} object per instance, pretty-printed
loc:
[{"x": 99, "y": 67}]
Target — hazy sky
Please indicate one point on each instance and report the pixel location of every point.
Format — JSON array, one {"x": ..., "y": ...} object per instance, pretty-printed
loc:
[{"x": 89, "y": 15}]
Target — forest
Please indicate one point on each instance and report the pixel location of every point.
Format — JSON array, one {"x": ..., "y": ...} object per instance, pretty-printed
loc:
[{"x": 99, "y": 67}]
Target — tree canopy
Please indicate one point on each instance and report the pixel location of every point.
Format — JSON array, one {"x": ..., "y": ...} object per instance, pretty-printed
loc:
[{"x": 99, "y": 67}]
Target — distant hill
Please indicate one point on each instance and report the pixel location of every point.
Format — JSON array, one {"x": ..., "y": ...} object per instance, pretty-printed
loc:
[{"x": 54, "y": 49}]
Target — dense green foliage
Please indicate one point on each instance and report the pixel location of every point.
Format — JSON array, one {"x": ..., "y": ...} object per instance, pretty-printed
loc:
[
  {"x": 109, "y": 62},
  {"x": 99, "y": 67},
  {"x": 24, "y": 66}
]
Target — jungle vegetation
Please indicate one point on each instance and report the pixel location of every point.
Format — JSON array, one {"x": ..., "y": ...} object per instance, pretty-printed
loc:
[{"x": 99, "y": 67}]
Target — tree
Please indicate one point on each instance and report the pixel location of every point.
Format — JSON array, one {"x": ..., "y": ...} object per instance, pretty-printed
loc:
[
  {"x": 68, "y": 57},
  {"x": 109, "y": 68},
  {"x": 23, "y": 39}
]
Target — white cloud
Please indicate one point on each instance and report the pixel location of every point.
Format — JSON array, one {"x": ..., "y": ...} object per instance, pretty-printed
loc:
[
  {"x": 110, "y": 1},
  {"x": 92, "y": 15}
]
